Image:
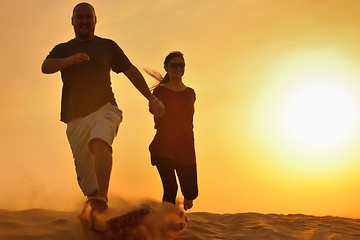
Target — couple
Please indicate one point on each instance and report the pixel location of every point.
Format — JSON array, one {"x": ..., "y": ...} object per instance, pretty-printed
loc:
[{"x": 89, "y": 109}]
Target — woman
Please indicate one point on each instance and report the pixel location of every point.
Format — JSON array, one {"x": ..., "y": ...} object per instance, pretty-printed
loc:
[{"x": 172, "y": 149}]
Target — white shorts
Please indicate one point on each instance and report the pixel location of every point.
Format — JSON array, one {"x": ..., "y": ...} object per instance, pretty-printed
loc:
[{"x": 102, "y": 124}]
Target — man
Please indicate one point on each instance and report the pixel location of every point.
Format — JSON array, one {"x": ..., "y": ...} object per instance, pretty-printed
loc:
[{"x": 88, "y": 105}]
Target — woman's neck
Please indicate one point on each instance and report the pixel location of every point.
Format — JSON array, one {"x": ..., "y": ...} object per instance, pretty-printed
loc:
[{"x": 176, "y": 85}]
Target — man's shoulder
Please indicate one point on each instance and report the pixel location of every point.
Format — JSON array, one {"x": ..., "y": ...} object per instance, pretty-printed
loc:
[
  {"x": 65, "y": 44},
  {"x": 96, "y": 38},
  {"x": 105, "y": 40}
]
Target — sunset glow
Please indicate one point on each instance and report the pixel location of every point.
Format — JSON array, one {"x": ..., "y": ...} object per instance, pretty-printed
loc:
[{"x": 277, "y": 111}]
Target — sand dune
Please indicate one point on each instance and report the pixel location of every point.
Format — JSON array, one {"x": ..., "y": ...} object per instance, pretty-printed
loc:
[
  {"x": 255, "y": 226},
  {"x": 39, "y": 224}
]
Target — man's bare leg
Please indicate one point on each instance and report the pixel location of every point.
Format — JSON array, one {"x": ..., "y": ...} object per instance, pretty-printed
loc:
[{"x": 103, "y": 166}]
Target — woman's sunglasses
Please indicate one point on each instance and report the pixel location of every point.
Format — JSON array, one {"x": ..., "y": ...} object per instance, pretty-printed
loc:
[{"x": 176, "y": 65}]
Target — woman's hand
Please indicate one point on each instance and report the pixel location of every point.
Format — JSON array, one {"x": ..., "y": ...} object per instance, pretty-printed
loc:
[{"x": 157, "y": 107}]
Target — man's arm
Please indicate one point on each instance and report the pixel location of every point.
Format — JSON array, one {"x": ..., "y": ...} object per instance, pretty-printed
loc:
[
  {"x": 137, "y": 79},
  {"x": 53, "y": 65}
]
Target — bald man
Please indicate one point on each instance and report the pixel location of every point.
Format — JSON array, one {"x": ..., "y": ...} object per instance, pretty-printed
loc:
[{"x": 88, "y": 105}]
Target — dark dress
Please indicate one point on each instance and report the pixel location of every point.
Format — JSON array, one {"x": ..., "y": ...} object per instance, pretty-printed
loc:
[
  {"x": 174, "y": 137},
  {"x": 172, "y": 149}
]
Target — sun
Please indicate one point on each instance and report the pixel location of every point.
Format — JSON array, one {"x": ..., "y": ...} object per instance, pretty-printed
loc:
[
  {"x": 307, "y": 115},
  {"x": 317, "y": 106},
  {"x": 321, "y": 113}
]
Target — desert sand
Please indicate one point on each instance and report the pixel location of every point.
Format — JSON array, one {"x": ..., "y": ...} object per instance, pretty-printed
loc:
[
  {"x": 40, "y": 224},
  {"x": 168, "y": 221}
]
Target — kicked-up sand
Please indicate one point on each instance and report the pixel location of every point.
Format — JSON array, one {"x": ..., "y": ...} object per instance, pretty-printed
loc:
[{"x": 166, "y": 222}]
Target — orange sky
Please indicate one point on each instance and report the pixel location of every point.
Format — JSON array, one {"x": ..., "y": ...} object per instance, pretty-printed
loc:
[{"x": 277, "y": 111}]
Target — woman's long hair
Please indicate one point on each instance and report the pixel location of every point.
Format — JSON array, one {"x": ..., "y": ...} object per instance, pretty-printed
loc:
[{"x": 157, "y": 76}]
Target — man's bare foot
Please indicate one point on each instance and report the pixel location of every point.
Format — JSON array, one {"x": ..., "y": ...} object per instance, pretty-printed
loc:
[
  {"x": 98, "y": 205},
  {"x": 188, "y": 204},
  {"x": 92, "y": 216}
]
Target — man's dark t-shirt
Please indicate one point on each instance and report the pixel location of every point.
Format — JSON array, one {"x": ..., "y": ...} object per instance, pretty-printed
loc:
[{"x": 87, "y": 85}]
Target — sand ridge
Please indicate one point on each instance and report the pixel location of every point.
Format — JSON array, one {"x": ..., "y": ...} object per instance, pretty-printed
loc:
[{"x": 41, "y": 224}]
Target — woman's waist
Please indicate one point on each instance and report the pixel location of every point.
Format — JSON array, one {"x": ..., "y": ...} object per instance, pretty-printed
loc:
[{"x": 174, "y": 127}]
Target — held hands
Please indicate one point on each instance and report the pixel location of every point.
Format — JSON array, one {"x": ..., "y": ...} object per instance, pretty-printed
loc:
[{"x": 157, "y": 107}]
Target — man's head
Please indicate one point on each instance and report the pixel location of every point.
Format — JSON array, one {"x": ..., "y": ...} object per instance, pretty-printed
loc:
[{"x": 83, "y": 21}]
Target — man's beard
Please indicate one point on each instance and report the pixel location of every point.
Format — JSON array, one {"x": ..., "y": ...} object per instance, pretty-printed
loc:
[{"x": 85, "y": 34}]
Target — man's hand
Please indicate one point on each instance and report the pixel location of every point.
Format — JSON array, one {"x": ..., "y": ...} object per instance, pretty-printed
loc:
[
  {"x": 78, "y": 58},
  {"x": 52, "y": 65},
  {"x": 157, "y": 108}
]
